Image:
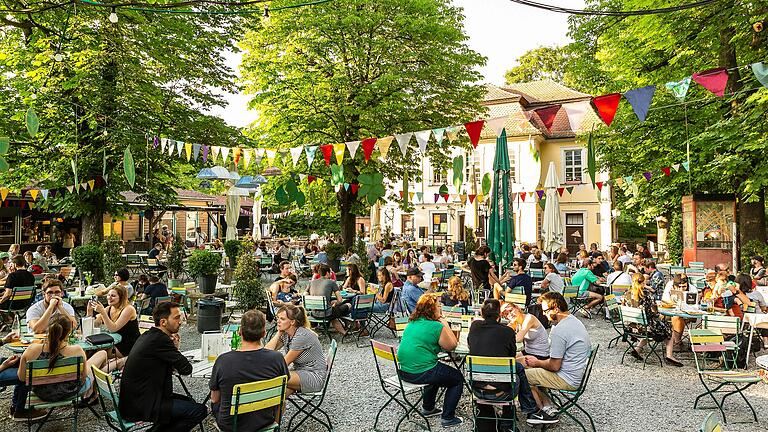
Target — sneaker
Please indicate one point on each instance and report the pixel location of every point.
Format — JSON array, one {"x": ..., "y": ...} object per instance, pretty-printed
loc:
[
  {"x": 585, "y": 313},
  {"x": 551, "y": 410},
  {"x": 28, "y": 415},
  {"x": 541, "y": 417},
  {"x": 455, "y": 421},
  {"x": 431, "y": 413}
]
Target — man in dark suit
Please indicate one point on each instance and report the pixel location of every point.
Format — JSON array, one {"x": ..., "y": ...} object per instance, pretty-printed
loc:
[{"x": 146, "y": 392}]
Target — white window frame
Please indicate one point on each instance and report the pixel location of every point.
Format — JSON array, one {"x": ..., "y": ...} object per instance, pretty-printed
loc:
[
  {"x": 583, "y": 164},
  {"x": 443, "y": 177}
]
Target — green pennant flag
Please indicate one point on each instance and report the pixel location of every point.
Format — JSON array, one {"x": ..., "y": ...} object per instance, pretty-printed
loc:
[
  {"x": 458, "y": 171},
  {"x": 74, "y": 170},
  {"x": 405, "y": 189},
  {"x": 129, "y": 167},
  {"x": 686, "y": 165},
  {"x": 33, "y": 123},
  {"x": 629, "y": 179},
  {"x": 543, "y": 202},
  {"x": 591, "y": 164},
  {"x": 486, "y": 185},
  {"x": 337, "y": 174},
  {"x": 569, "y": 189},
  {"x": 281, "y": 196}
]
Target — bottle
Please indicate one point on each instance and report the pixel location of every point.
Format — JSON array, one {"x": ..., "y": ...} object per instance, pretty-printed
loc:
[
  {"x": 235, "y": 341},
  {"x": 16, "y": 325}
]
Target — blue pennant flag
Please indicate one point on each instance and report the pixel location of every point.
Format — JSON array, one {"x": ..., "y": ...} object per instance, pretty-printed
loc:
[{"x": 640, "y": 100}]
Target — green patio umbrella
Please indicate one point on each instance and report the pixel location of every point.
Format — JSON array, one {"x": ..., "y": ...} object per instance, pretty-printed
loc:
[{"x": 501, "y": 237}]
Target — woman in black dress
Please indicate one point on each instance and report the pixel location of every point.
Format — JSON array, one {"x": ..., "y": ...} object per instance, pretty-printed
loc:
[{"x": 118, "y": 317}]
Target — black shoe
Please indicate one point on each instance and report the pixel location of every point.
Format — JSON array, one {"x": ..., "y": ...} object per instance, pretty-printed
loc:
[
  {"x": 541, "y": 417},
  {"x": 434, "y": 412},
  {"x": 672, "y": 362},
  {"x": 635, "y": 354}
]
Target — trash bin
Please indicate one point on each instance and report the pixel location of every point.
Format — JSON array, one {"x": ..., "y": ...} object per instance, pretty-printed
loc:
[{"x": 209, "y": 312}]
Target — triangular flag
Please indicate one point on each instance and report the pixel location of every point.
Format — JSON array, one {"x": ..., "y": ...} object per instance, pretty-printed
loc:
[
  {"x": 513, "y": 197},
  {"x": 31, "y": 205},
  {"x": 667, "y": 171},
  {"x": 540, "y": 193},
  {"x": 247, "y": 154},
  {"x": 497, "y": 124},
  {"x": 714, "y": 80},
  {"x": 410, "y": 196},
  {"x": 84, "y": 186},
  {"x": 4, "y": 193},
  {"x": 445, "y": 197},
  {"x": 384, "y": 144},
  {"x": 647, "y": 175},
  {"x": 463, "y": 199},
  {"x": 576, "y": 112},
  {"x": 352, "y": 147},
  {"x": 560, "y": 191},
  {"x": 471, "y": 198},
  {"x": 686, "y": 165},
  {"x": 44, "y": 193},
  {"x": 420, "y": 196},
  {"x": 679, "y": 88},
  {"x": 179, "y": 147},
  {"x": 163, "y": 141},
  {"x": 547, "y": 116},
  {"x": 33, "y": 193},
  {"x": 205, "y": 152},
  {"x": 295, "y": 155},
  {"x": 402, "y": 141},
  {"x": 676, "y": 167},
  {"x": 480, "y": 198},
  {"x": 599, "y": 185},
  {"x": 452, "y": 132},
  {"x": 271, "y": 153},
  {"x": 569, "y": 189},
  {"x": 338, "y": 151},
  {"x": 346, "y": 186},
  {"x": 606, "y": 106},
  {"x": 215, "y": 150},
  {"x": 368, "y": 144},
  {"x": 422, "y": 138},
  {"x": 402, "y": 194},
  {"x": 439, "y": 132},
  {"x": 188, "y": 150},
  {"x": 437, "y": 197},
  {"x": 91, "y": 184},
  {"x": 522, "y": 195},
  {"x": 640, "y": 100},
  {"x": 619, "y": 181},
  {"x": 70, "y": 188},
  {"x": 310, "y": 179},
  {"x": 225, "y": 154},
  {"x": 310, "y": 151},
  {"x": 629, "y": 179},
  {"x": 236, "y": 152},
  {"x": 195, "y": 151},
  {"x": 761, "y": 73},
  {"x": 474, "y": 129},
  {"x": 155, "y": 142},
  {"x": 171, "y": 147},
  {"x": 354, "y": 187},
  {"x": 327, "y": 150}
]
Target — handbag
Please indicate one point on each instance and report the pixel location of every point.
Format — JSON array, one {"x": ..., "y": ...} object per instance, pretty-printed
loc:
[{"x": 100, "y": 339}]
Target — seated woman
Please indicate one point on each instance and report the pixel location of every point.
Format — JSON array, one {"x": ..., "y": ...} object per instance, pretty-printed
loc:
[
  {"x": 724, "y": 293},
  {"x": 456, "y": 295},
  {"x": 638, "y": 297},
  {"x": 301, "y": 348},
  {"x": 142, "y": 283},
  {"x": 121, "y": 279},
  {"x": 397, "y": 261},
  {"x": 119, "y": 317},
  {"x": 283, "y": 291},
  {"x": 426, "y": 335},
  {"x": 355, "y": 282},
  {"x": 561, "y": 263},
  {"x": 57, "y": 346},
  {"x": 386, "y": 291},
  {"x": 410, "y": 261},
  {"x": 536, "y": 262},
  {"x": 528, "y": 330},
  {"x": 757, "y": 272}
]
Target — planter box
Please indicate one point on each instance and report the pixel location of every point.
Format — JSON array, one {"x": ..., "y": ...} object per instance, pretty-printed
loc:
[{"x": 206, "y": 284}]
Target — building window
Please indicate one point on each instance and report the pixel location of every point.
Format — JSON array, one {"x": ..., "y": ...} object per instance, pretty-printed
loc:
[
  {"x": 574, "y": 166},
  {"x": 192, "y": 221},
  {"x": 439, "y": 223},
  {"x": 511, "y": 151},
  {"x": 472, "y": 159},
  {"x": 439, "y": 177}
]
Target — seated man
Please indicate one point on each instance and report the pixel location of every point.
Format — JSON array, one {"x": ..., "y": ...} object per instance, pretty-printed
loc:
[
  {"x": 569, "y": 351},
  {"x": 330, "y": 290},
  {"x": 286, "y": 270},
  {"x": 40, "y": 313},
  {"x": 146, "y": 390},
  {"x": 19, "y": 276},
  {"x": 9, "y": 376},
  {"x": 587, "y": 280},
  {"x": 518, "y": 278},
  {"x": 251, "y": 362},
  {"x": 156, "y": 252},
  {"x": 411, "y": 290},
  {"x": 154, "y": 290}
]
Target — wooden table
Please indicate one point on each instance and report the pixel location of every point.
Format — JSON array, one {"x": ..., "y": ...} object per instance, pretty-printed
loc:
[
  {"x": 753, "y": 319},
  {"x": 18, "y": 347}
]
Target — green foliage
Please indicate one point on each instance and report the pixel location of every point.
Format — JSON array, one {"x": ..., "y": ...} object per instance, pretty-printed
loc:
[
  {"x": 89, "y": 257},
  {"x": 469, "y": 241},
  {"x": 539, "y": 64},
  {"x": 233, "y": 248},
  {"x": 335, "y": 250},
  {"x": 361, "y": 250},
  {"x": 113, "y": 258},
  {"x": 248, "y": 289},
  {"x": 300, "y": 225},
  {"x": 675, "y": 238},
  {"x": 750, "y": 249},
  {"x": 630, "y": 231},
  {"x": 204, "y": 263},
  {"x": 176, "y": 257}
]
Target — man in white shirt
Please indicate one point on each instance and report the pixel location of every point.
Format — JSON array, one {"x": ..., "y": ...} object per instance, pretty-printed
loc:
[
  {"x": 625, "y": 257},
  {"x": 531, "y": 257},
  {"x": 40, "y": 313},
  {"x": 200, "y": 237}
]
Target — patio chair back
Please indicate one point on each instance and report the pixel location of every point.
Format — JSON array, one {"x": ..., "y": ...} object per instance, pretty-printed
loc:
[
  {"x": 588, "y": 370},
  {"x": 110, "y": 400},
  {"x": 708, "y": 341},
  {"x": 315, "y": 304},
  {"x": 631, "y": 315},
  {"x": 570, "y": 292},
  {"x": 536, "y": 273},
  {"x": 362, "y": 307},
  {"x": 491, "y": 369},
  {"x": 673, "y": 270},
  {"x": 146, "y": 322},
  {"x": 257, "y": 396},
  {"x": 518, "y": 290},
  {"x": 696, "y": 265},
  {"x": 518, "y": 299},
  {"x": 619, "y": 290},
  {"x": 400, "y": 324},
  {"x": 693, "y": 272},
  {"x": 20, "y": 300},
  {"x": 728, "y": 325},
  {"x": 65, "y": 370}
]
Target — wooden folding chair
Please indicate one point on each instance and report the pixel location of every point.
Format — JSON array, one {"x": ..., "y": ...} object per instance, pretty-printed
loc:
[
  {"x": 109, "y": 399},
  {"x": 362, "y": 309},
  {"x": 308, "y": 404},
  {"x": 492, "y": 370},
  {"x": 635, "y": 318},
  {"x": 518, "y": 299},
  {"x": 66, "y": 371},
  {"x": 146, "y": 322},
  {"x": 566, "y": 400},
  {"x": 317, "y": 307},
  {"x": 614, "y": 317},
  {"x": 21, "y": 299},
  {"x": 730, "y": 328},
  {"x": 257, "y": 396}
]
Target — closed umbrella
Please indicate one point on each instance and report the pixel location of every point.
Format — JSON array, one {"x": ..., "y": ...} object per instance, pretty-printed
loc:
[
  {"x": 257, "y": 216},
  {"x": 231, "y": 216},
  {"x": 501, "y": 237},
  {"x": 375, "y": 222},
  {"x": 554, "y": 235}
]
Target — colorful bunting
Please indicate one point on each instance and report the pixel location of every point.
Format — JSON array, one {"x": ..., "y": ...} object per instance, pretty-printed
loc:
[
  {"x": 679, "y": 88},
  {"x": 474, "y": 129},
  {"x": 576, "y": 112},
  {"x": 91, "y": 184},
  {"x": 225, "y": 154},
  {"x": 327, "y": 150},
  {"x": 761, "y": 73},
  {"x": 676, "y": 167},
  {"x": 606, "y": 106},
  {"x": 310, "y": 151},
  {"x": 497, "y": 124},
  {"x": 271, "y": 154},
  {"x": 648, "y": 175},
  {"x": 215, "y": 153},
  {"x": 714, "y": 80},
  {"x": 205, "y": 153},
  {"x": 422, "y": 138},
  {"x": 640, "y": 100},
  {"x": 236, "y": 152},
  {"x": 368, "y": 148},
  {"x": 569, "y": 189},
  {"x": 439, "y": 132},
  {"x": 354, "y": 187},
  {"x": 310, "y": 179},
  {"x": 420, "y": 196},
  {"x": 522, "y": 195},
  {"x": 33, "y": 193},
  {"x": 179, "y": 148},
  {"x": 352, "y": 147},
  {"x": 667, "y": 171},
  {"x": 188, "y": 151},
  {"x": 471, "y": 198},
  {"x": 247, "y": 154},
  {"x": 384, "y": 144},
  {"x": 540, "y": 193},
  {"x": 547, "y": 115},
  {"x": 452, "y": 132},
  {"x": 195, "y": 151},
  {"x": 686, "y": 165},
  {"x": 629, "y": 179},
  {"x": 598, "y": 184},
  {"x": 4, "y": 193},
  {"x": 560, "y": 191},
  {"x": 295, "y": 154}
]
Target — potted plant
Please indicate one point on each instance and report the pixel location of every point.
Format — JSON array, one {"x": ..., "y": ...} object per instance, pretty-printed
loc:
[
  {"x": 334, "y": 251},
  {"x": 176, "y": 262},
  {"x": 248, "y": 288},
  {"x": 232, "y": 248},
  {"x": 113, "y": 259},
  {"x": 204, "y": 265},
  {"x": 469, "y": 242},
  {"x": 361, "y": 249},
  {"x": 89, "y": 257}
]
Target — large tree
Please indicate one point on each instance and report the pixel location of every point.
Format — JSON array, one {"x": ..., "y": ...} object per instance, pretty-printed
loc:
[
  {"x": 99, "y": 87},
  {"x": 351, "y": 69}
]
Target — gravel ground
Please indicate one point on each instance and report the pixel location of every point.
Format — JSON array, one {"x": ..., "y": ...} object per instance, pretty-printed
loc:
[{"x": 620, "y": 397}]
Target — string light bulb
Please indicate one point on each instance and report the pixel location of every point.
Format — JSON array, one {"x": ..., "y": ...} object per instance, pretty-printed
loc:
[
  {"x": 113, "y": 18},
  {"x": 266, "y": 12}
]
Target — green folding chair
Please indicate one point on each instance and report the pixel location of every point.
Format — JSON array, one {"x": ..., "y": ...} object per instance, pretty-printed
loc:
[
  {"x": 109, "y": 400},
  {"x": 614, "y": 317},
  {"x": 257, "y": 396},
  {"x": 362, "y": 309},
  {"x": 400, "y": 324},
  {"x": 397, "y": 390},
  {"x": 571, "y": 295},
  {"x": 709, "y": 352},
  {"x": 309, "y": 404},
  {"x": 67, "y": 372},
  {"x": 491, "y": 370},
  {"x": 567, "y": 400},
  {"x": 317, "y": 307},
  {"x": 635, "y": 319},
  {"x": 21, "y": 299},
  {"x": 730, "y": 328}
]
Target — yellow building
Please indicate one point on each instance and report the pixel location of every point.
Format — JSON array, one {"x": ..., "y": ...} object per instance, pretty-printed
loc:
[{"x": 587, "y": 218}]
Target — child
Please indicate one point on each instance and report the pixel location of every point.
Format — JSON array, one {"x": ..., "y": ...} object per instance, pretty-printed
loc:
[{"x": 286, "y": 292}]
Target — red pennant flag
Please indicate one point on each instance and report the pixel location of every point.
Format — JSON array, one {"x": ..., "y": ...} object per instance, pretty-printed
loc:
[
  {"x": 606, "y": 106},
  {"x": 445, "y": 197},
  {"x": 540, "y": 193},
  {"x": 354, "y": 187},
  {"x": 310, "y": 179},
  {"x": 599, "y": 185},
  {"x": 547, "y": 116},
  {"x": 472, "y": 198},
  {"x": 401, "y": 194},
  {"x": 368, "y": 144},
  {"x": 713, "y": 80},
  {"x": 522, "y": 195},
  {"x": 327, "y": 152},
  {"x": 473, "y": 129},
  {"x": 667, "y": 171},
  {"x": 560, "y": 191},
  {"x": 237, "y": 152}
]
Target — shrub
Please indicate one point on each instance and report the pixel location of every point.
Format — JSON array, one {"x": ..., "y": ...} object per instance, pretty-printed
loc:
[
  {"x": 302, "y": 225},
  {"x": 675, "y": 238},
  {"x": 176, "y": 258},
  {"x": 248, "y": 289},
  {"x": 361, "y": 250},
  {"x": 334, "y": 250},
  {"x": 113, "y": 258},
  {"x": 469, "y": 241},
  {"x": 232, "y": 249},
  {"x": 204, "y": 263},
  {"x": 750, "y": 249},
  {"x": 89, "y": 257}
]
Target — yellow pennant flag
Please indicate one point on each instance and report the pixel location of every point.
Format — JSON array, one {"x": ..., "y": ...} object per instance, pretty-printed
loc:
[
  {"x": 91, "y": 184},
  {"x": 31, "y": 205},
  {"x": 384, "y": 145},
  {"x": 236, "y": 155},
  {"x": 452, "y": 132},
  {"x": 247, "y": 153},
  {"x": 338, "y": 149},
  {"x": 33, "y": 193},
  {"x": 480, "y": 198},
  {"x": 215, "y": 152},
  {"x": 619, "y": 181},
  {"x": 187, "y": 150},
  {"x": 463, "y": 199},
  {"x": 4, "y": 193},
  {"x": 410, "y": 196},
  {"x": 271, "y": 153}
]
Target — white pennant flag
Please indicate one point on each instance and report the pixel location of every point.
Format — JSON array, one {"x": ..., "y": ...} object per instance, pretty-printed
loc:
[
  {"x": 352, "y": 147},
  {"x": 171, "y": 147},
  {"x": 45, "y": 193},
  {"x": 225, "y": 153},
  {"x": 215, "y": 153},
  {"x": 247, "y": 153},
  {"x": 439, "y": 135},
  {"x": 296, "y": 154},
  {"x": 179, "y": 147},
  {"x": 497, "y": 124},
  {"x": 271, "y": 153},
  {"x": 422, "y": 137},
  {"x": 163, "y": 143},
  {"x": 576, "y": 112},
  {"x": 403, "y": 140}
]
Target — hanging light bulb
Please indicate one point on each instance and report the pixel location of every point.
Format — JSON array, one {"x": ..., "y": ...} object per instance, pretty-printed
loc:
[
  {"x": 266, "y": 13},
  {"x": 113, "y": 18}
]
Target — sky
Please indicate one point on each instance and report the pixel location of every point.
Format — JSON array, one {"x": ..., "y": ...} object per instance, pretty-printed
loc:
[{"x": 498, "y": 29}]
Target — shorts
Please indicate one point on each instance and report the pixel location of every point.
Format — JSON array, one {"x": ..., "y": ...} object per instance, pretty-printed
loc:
[
  {"x": 596, "y": 289},
  {"x": 543, "y": 378}
]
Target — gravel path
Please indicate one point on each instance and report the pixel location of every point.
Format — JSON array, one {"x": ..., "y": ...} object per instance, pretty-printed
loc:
[{"x": 620, "y": 397}]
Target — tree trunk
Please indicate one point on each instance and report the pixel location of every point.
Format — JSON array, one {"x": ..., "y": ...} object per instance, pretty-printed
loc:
[
  {"x": 347, "y": 218},
  {"x": 93, "y": 228},
  {"x": 752, "y": 220}
]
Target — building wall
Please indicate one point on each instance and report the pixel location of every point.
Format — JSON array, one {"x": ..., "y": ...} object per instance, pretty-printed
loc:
[{"x": 128, "y": 226}]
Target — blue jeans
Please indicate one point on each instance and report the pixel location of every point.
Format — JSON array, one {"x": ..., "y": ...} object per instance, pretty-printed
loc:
[
  {"x": 439, "y": 376},
  {"x": 380, "y": 307},
  {"x": 9, "y": 377},
  {"x": 185, "y": 415},
  {"x": 524, "y": 396}
]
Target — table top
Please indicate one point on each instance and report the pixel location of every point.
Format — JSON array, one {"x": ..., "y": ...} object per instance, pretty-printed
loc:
[
  {"x": 755, "y": 318},
  {"x": 18, "y": 347},
  {"x": 762, "y": 361},
  {"x": 201, "y": 367},
  {"x": 674, "y": 312}
]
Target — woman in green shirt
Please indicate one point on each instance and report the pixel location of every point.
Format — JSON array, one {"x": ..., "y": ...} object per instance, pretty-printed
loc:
[{"x": 425, "y": 336}]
